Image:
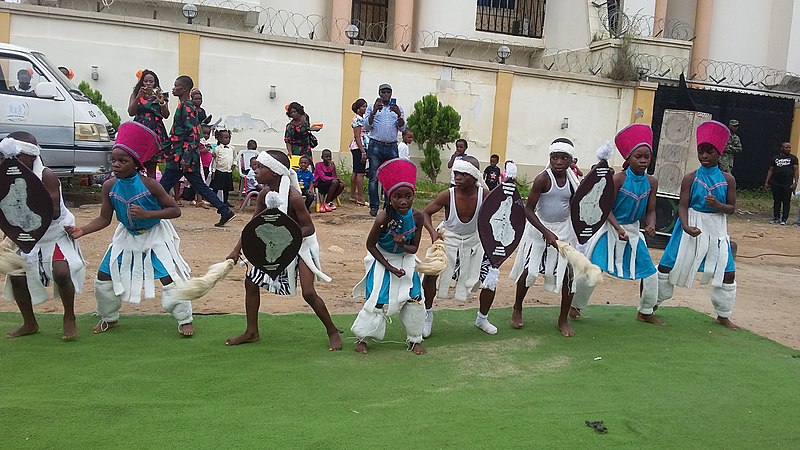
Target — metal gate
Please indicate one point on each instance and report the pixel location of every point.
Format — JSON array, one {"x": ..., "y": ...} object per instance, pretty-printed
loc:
[{"x": 764, "y": 123}]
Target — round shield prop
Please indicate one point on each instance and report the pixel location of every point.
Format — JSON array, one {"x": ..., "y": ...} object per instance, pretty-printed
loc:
[
  {"x": 501, "y": 223},
  {"x": 592, "y": 201},
  {"x": 271, "y": 241},
  {"x": 26, "y": 209}
]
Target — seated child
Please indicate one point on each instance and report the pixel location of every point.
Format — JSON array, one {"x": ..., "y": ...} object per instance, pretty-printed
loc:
[
  {"x": 251, "y": 183},
  {"x": 145, "y": 245},
  {"x": 327, "y": 182},
  {"x": 55, "y": 257},
  {"x": 392, "y": 280},
  {"x": 281, "y": 190},
  {"x": 306, "y": 179}
]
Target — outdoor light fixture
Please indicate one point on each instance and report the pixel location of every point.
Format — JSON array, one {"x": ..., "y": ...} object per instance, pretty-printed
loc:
[
  {"x": 189, "y": 11},
  {"x": 565, "y": 123},
  {"x": 352, "y": 32},
  {"x": 272, "y": 92},
  {"x": 503, "y": 52},
  {"x": 95, "y": 73}
]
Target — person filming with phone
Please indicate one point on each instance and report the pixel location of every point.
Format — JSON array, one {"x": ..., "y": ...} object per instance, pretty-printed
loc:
[
  {"x": 383, "y": 120},
  {"x": 148, "y": 106}
]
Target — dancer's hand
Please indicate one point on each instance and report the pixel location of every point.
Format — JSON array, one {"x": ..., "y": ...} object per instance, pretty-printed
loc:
[
  {"x": 650, "y": 230},
  {"x": 713, "y": 202},
  {"x": 623, "y": 236},
  {"x": 137, "y": 212},
  {"x": 234, "y": 256},
  {"x": 692, "y": 231},
  {"x": 73, "y": 232},
  {"x": 399, "y": 273},
  {"x": 551, "y": 239}
]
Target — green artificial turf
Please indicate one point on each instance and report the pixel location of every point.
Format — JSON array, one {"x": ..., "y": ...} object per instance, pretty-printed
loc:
[{"x": 692, "y": 384}]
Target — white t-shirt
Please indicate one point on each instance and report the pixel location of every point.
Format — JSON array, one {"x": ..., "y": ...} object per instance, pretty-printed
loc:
[{"x": 402, "y": 151}]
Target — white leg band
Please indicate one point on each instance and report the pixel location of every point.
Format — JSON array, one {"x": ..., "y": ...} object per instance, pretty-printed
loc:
[
  {"x": 369, "y": 324},
  {"x": 665, "y": 288},
  {"x": 412, "y": 316},
  {"x": 583, "y": 292},
  {"x": 649, "y": 297},
  {"x": 723, "y": 297},
  {"x": 108, "y": 303},
  {"x": 428, "y": 326},
  {"x": 181, "y": 310}
]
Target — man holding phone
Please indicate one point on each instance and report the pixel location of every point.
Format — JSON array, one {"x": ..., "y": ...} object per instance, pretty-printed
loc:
[{"x": 383, "y": 121}]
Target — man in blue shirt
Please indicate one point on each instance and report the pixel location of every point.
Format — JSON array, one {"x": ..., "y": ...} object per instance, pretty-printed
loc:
[{"x": 383, "y": 121}]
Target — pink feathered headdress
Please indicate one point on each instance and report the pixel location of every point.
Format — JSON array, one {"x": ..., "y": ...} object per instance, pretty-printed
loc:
[
  {"x": 137, "y": 140},
  {"x": 632, "y": 136},
  {"x": 714, "y": 133},
  {"x": 397, "y": 173}
]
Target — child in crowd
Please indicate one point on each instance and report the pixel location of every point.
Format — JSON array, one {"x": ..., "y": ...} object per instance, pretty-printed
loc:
[
  {"x": 491, "y": 174},
  {"x": 252, "y": 145},
  {"x": 466, "y": 262},
  {"x": 619, "y": 248},
  {"x": 327, "y": 182},
  {"x": 145, "y": 245},
  {"x": 206, "y": 158},
  {"x": 224, "y": 161},
  {"x": 306, "y": 179},
  {"x": 461, "y": 151},
  {"x": 575, "y": 169},
  {"x": 197, "y": 99},
  {"x": 700, "y": 241},
  {"x": 281, "y": 190},
  {"x": 402, "y": 147},
  {"x": 392, "y": 281},
  {"x": 547, "y": 211},
  {"x": 55, "y": 257},
  {"x": 251, "y": 183}
]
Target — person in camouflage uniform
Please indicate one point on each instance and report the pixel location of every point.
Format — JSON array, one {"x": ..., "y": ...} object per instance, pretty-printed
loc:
[{"x": 733, "y": 147}]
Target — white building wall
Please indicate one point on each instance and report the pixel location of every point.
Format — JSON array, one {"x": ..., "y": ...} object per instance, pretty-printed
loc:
[
  {"x": 566, "y": 24},
  {"x": 793, "y": 52},
  {"x": 639, "y": 7}
]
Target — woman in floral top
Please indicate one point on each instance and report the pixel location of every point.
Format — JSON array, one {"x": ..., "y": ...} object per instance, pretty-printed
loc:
[
  {"x": 297, "y": 135},
  {"x": 148, "y": 106}
]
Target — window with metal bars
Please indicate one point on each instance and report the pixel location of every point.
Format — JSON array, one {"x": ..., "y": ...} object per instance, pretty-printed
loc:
[
  {"x": 371, "y": 17},
  {"x": 515, "y": 17}
]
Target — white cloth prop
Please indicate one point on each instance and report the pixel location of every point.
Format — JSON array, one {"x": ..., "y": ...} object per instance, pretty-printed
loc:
[
  {"x": 647, "y": 300},
  {"x": 581, "y": 266},
  {"x": 136, "y": 271},
  {"x": 11, "y": 148},
  {"x": 435, "y": 261},
  {"x": 616, "y": 246},
  {"x": 491, "y": 279},
  {"x": 712, "y": 244},
  {"x": 511, "y": 170},
  {"x": 459, "y": 165},
  {"x": 309, "y": 253},
  {"x": 11, "y": 263},
  {"x": 181, "y": 310},
  {"x": 199, "y": 286},
  {"x": 371, "y": 321},
  {"x": 723, "y": 297},
  {"x": 533, "y": 247},
  {"x": 605, "y": 151},
  {"x": 468, "y": 251}
]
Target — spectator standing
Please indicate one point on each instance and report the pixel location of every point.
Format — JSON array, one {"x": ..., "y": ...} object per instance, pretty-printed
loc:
[
  {"x": 383, "y": 120},
  {"x": 782, "y": 178},
  {"x": 733, "y": 147}
]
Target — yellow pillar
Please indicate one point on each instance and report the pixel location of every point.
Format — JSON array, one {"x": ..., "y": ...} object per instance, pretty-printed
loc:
[
  {"x": 702, "y": 31},
  {"x": 189, "y": 56},
  {"x": 341, "y": 14},
  {"x": 644, "y": 97},
  {"x": 794, "y": 137},
  {"x": 351, "y": 81},
  {"x": 5, "y": 27},
  {"x": 403, "y": 24},
  {"x": 659, "y": 23},
  {"x": 502, "y": 104}
]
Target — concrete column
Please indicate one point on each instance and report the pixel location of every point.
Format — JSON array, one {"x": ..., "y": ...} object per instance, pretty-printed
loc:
[
  {"x": 5, "y": 27},
  {"x": 659, "y": 23},
  {"x": 502, "y": 105},
  {"x": 702, "y": 32},
  {"x": 794, "y": 137},
  {"x": 341, "y": 13},
  {"x": 189, "y": 56},
  {"x": 351, "y": 84},
  {"x": 403, "y": 24}
]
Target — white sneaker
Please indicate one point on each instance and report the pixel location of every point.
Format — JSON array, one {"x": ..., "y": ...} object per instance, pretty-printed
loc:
[
  {"x": 428, "y": 325},
  {"x": 484, "y": 325},
  {"x": 331, "y": 206}
]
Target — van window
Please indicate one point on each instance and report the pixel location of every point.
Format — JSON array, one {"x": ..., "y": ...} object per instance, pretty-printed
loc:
[{"x": 18, "y": 76}]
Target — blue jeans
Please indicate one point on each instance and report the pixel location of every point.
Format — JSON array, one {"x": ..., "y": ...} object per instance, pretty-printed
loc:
[
  {"x": 171, "y": 177},
  {"x": 378, "y": 153}
]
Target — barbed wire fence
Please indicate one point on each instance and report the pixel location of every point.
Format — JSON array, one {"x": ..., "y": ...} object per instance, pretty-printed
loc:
[{"x": 249, "y": 17}]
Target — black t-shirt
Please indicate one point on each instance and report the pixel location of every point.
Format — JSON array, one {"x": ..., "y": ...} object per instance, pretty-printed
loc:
[
  {"x": 491, "y": 175},
  {"x": 783, "y": 169}
]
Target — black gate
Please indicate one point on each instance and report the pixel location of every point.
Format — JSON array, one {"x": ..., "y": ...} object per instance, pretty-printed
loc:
[{"x": 764, "y": 123}]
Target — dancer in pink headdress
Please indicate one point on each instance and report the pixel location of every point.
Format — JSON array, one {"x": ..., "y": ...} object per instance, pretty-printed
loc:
[{"x": 700, "y": 241}]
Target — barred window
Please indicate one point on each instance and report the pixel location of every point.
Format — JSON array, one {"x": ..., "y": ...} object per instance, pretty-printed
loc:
[
  {"x": 371, "y": 17},
  {"x": 514, "y": 17}
]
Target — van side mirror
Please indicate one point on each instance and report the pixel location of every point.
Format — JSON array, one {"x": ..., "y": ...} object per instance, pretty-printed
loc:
[{"x": 47, "y": 89}]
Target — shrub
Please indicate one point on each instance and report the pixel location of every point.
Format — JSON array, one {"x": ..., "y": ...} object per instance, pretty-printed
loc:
[
  {"x": 434, "y": 125},
  {"x": 97, "y": 99}
]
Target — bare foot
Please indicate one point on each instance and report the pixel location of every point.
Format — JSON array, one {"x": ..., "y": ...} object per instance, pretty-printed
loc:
[
  {"x": 70, "y": 329},
  {"x": 516, "y": 318},
  {"x": 186, "y": 330},
  {"x": 725, "y": 322},
  {"x": 566, "y": 330},
  {"x": 649, "y": 318},
  {"x": 574, "y": 313},
  {"x": 418, "y": 349},
  {"x": 104, "y": 326},
  {"x": 23, "y": 330},
  {"x": 334, "y": 341},
  {"x": 245, "y": 338},
  {"x": 361, "y": 347}
]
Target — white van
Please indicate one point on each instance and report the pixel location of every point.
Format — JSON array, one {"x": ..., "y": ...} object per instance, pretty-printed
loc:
[{"x": 75, "y": 136}]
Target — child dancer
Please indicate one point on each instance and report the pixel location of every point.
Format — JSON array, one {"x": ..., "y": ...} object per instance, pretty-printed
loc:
[
  {"x": 305, "y": 177},
  {"x": 547, "y": 211},
  {"x": 224, "y": 160},
  {"x": 619, "y": 248},
  {"x": 145, "y": 244},
  {"x": 700, "y": 241},
  {"x": 391, "y": 277},
  {"x": 55, "y": 257},
  {"x": 281, "y": 190},
  {"x": 466, "y": 263},
  {"x": 327, "y": 182}
]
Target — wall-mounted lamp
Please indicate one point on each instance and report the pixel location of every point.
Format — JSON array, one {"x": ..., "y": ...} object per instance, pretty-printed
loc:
[
  {"x": 95, "y": 73},
  {"x": 189, "y": 11},
  {"x": 351, "y": 32},
  {"x": 272, "y": 92},
  {"x": 565, "y": 123},
  {"x": 503, "y": 52}
]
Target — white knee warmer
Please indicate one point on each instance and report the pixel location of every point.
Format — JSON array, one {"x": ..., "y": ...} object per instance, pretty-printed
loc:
[
  {"x": 412, "y": 316},
  {"x": 108, "y": 303},
  {"x": 649, "y": 297},
  {"x": 723, "y": 298},
  {"x": 583, "y": 292},
  {"x": 665, "y": 288},
  {"x": 181, "y": 310},
  {"x": 369, "y": 324}
]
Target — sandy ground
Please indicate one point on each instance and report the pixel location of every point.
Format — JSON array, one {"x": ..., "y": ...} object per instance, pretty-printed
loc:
[{"x": 766, "y": 292}]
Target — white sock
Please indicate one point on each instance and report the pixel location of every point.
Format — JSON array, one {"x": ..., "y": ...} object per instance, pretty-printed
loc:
[
  {"x": 482, "y": 322},
  {"x": 428, "y": 325}
]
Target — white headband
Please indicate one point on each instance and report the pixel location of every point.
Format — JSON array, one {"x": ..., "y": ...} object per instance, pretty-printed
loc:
[
  {"x": 562, "y": 147},
  {"x": 266, "y": 160},
  {"x": 279, "y": 199},
  {"x": 466, "y": 167},
  {"x": 11, "y": 147}
]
